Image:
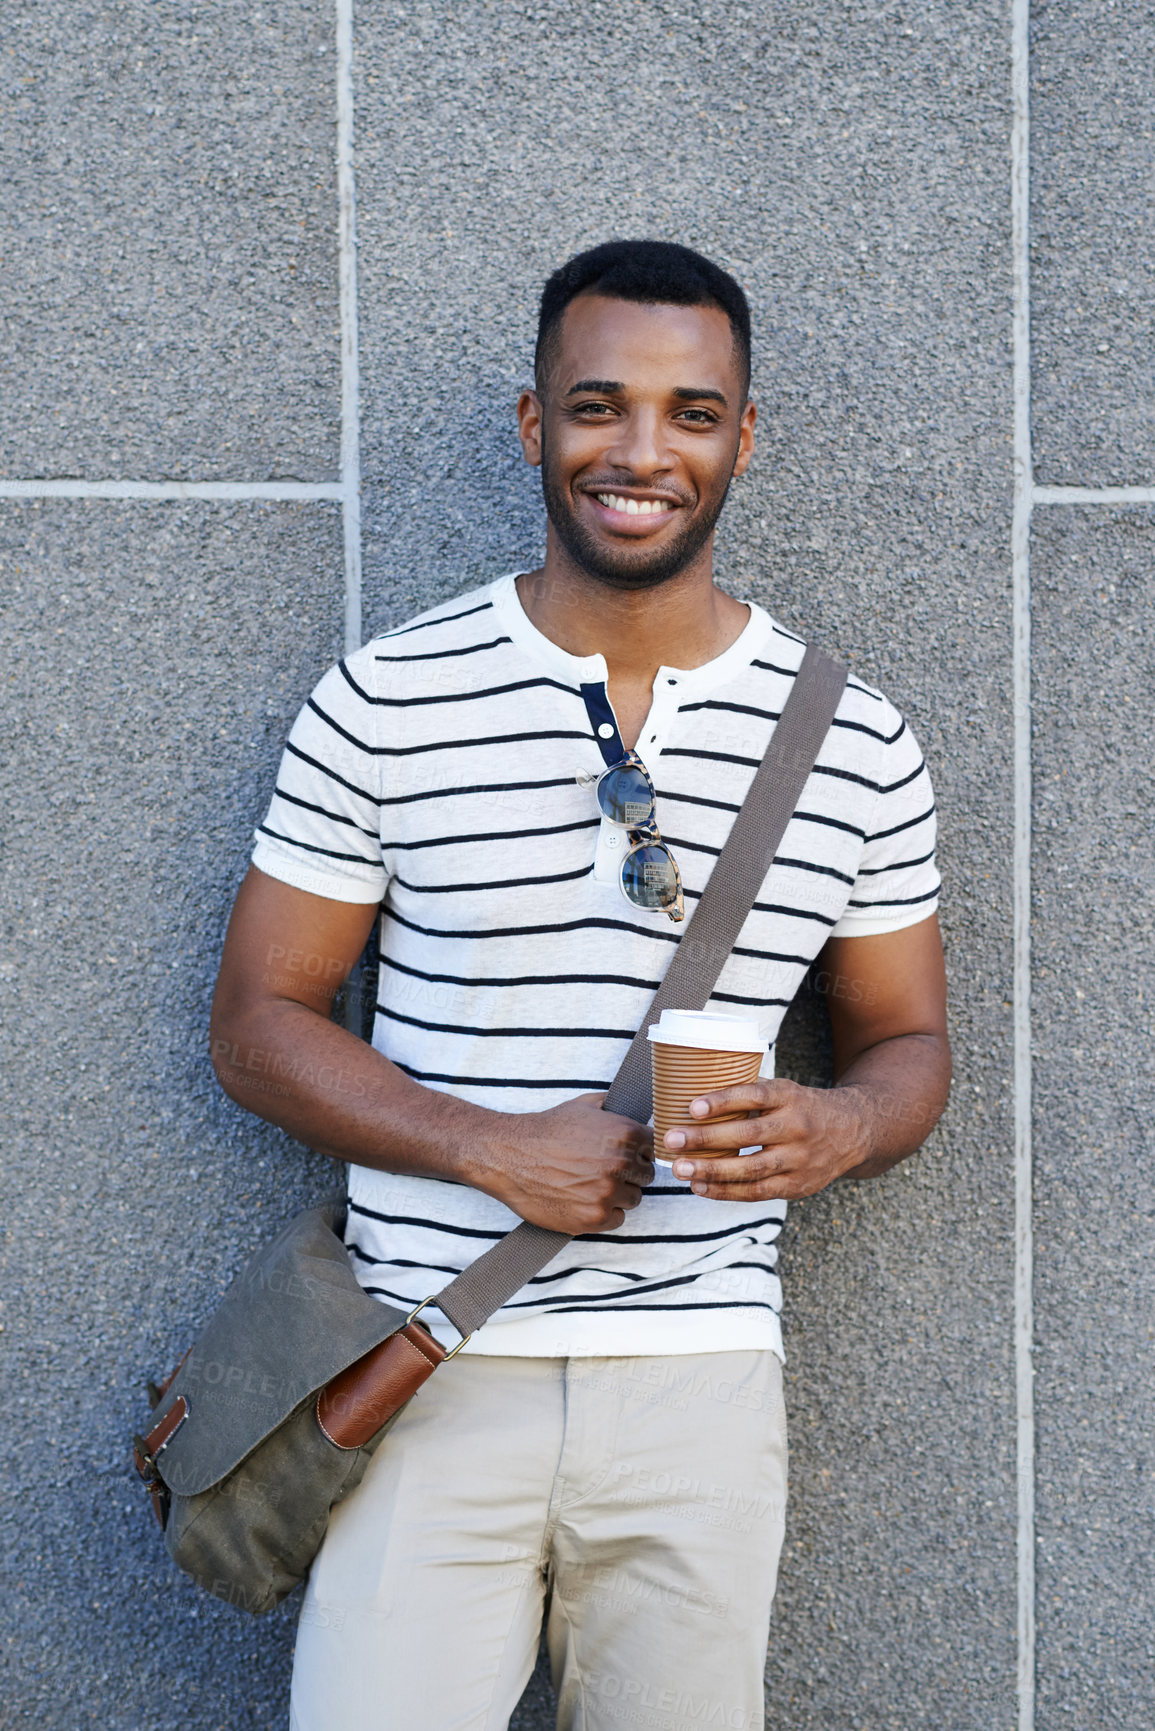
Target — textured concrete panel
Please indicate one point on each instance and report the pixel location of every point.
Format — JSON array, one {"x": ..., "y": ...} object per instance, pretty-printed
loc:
[
  {"x": 1093, "y": 267},
  {"x": 1094, "y": 928},
  {"x": 154, "y": 658},
  {"x": 169, "y": 300},
  {"x": 850, "y": 165}
]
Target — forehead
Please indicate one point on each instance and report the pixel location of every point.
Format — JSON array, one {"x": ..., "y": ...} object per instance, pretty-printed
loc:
[{"x": 645, "y": 346}]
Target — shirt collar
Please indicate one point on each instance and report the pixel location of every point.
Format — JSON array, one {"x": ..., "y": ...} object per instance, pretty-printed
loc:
[{"x": 591, "y": 669}]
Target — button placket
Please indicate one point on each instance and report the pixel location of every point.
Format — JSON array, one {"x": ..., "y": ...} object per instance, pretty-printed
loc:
[{"x": 663, "y": 708}]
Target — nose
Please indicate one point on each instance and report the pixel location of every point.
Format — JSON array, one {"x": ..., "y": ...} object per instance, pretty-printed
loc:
[{"x": 641, "y": 446}]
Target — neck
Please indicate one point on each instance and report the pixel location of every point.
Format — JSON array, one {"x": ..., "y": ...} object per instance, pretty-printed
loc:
[{"x": 683, "y": 622}]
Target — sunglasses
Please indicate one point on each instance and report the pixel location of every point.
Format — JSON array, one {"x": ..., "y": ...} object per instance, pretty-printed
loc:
[{"x": 649, "y": 874}]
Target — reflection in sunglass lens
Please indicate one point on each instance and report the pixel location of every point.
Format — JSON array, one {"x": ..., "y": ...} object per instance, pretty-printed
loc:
[
  {"x": 624, "y": 795},
  {"x": 650, "y": 878}
]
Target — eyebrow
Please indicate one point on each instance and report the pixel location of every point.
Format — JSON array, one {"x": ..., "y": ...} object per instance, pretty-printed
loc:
[
  {"x": 688, "y": 395},
  {"x": 607, "y": 387},
  {"x": 615, "y": 388}
]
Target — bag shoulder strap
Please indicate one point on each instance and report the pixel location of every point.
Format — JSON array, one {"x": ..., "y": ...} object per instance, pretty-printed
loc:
[{"x": 488, "y": 1283}]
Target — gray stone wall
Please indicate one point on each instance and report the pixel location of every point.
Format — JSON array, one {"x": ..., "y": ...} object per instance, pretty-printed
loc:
[{"x": 171, "y": 315}]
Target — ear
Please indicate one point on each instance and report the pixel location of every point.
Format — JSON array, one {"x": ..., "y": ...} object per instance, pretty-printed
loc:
[
  {"x": 529, "y": 418},
  {"x": 745, "y": 439}
]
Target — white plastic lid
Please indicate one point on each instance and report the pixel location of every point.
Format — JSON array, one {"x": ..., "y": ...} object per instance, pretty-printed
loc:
[{"x": 709, "y": 1029}]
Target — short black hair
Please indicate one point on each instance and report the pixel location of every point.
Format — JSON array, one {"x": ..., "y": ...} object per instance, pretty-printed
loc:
[{"x": 653, "y": 272}]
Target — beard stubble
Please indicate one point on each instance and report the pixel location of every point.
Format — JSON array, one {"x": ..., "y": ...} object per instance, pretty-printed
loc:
[{"x": 624, "y": 571}]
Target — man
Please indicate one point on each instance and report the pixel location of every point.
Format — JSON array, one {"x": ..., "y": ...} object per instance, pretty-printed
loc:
[{"x": 610, "y": 1449}]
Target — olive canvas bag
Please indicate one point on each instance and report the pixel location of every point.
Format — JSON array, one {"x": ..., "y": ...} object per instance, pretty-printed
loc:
[{"x": 275, "y": 1411}]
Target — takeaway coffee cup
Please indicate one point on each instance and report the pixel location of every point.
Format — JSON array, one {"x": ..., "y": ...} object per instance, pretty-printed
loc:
[{"x": 695, "y": 1051}]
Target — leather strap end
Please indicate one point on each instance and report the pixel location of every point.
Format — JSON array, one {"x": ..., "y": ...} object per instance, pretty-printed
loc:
[
  {"x": 160, "y": 1435},
  {"x": 353, "y": 1406}
]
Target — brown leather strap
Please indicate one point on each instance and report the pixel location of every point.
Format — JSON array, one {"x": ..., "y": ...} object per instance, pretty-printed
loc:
[
  {"x": 165, "y": 1429},
  {"x": 355, "y": 1404},
  {"x": 708, "y": 939}
]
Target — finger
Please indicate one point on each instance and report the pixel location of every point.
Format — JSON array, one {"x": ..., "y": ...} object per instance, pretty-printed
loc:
[
  {"x": 751, "y": 1132},
  {"x": 784, "y": 1189},
  {"x": 763, "y": 1094},
  {"x": 720, "y": 1169},
  {"x": 636, "y": 1148}
]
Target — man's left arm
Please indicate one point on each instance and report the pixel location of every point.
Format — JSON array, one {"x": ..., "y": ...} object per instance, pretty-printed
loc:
[{"x": 887, "y": 1000}]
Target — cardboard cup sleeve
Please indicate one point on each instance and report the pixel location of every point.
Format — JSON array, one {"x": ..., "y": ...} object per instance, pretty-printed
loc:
[
  {"x": 682, "y": 1073},
  {"x": 694, "y": 1052}
]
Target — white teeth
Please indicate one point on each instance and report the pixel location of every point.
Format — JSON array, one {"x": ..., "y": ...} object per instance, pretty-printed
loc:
[{"x": 632, "y": 507}]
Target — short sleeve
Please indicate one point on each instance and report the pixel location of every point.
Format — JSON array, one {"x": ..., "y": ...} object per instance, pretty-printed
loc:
[
  {"x": 322, "y": 829},
  {"x": 898, "y": 882}
]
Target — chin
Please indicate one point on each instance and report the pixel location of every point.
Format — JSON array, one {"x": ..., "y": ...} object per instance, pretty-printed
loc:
[{"x": 631, "y": 575}]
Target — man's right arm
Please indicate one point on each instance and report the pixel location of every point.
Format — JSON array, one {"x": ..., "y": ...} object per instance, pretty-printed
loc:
[{"x": 573, "y": 1168}]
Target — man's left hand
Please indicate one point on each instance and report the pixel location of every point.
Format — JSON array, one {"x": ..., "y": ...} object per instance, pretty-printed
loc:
[
  {"x": 887, "y": 1000},
  {"x": 805, "y": 1138}
]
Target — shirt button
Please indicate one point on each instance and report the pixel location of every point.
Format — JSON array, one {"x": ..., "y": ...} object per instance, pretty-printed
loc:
[
  {"x": 605, "y": 731},
  {"x": 671, "y": 682}
]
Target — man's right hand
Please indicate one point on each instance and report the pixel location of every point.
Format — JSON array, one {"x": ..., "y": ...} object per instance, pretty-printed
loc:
[{"x": 574, "y": 1168}]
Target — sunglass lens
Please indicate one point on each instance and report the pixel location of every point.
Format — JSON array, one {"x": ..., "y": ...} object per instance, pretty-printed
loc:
[
  {"x": 650, "y": 877},
  {"x": 624, "y": 795}
]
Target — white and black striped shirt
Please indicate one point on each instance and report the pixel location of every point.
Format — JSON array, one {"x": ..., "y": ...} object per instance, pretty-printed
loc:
[{"x": 434, "y": 771}]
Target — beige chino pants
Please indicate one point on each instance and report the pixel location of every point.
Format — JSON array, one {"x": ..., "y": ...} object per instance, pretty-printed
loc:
[{"x": 638, "y": 1501}]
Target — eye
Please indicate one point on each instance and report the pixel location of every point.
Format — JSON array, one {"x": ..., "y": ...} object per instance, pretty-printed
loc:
[
  {"x": 595, "y": 411},
  {"x": 698, "y": 417}
]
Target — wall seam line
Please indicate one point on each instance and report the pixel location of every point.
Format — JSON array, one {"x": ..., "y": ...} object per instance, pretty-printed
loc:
[
  {"x": 1093, "y": 495},
  {"x": 1024, "y": 1326},
  {"x": 350, "y": 358},
  {"x": 300, "y": 492}
]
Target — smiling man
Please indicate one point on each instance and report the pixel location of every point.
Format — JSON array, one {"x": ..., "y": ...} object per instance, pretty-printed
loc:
[{"x": 610, "y": 1450}]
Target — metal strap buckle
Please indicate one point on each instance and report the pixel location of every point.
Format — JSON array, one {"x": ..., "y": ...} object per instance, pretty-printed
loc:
[
  {"x": 413, "y": 1314},
  {"x": 145, "y": 1464}
]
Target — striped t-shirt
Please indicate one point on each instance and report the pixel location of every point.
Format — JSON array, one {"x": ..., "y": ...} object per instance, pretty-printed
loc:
[{"x": 435, "y": 771}]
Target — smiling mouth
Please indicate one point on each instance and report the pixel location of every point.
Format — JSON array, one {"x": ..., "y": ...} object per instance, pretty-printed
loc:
[{"x": 635, "y": 507}]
